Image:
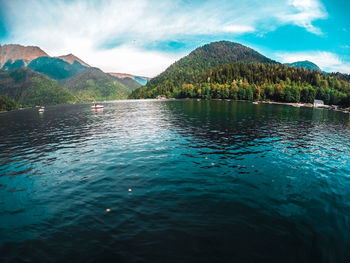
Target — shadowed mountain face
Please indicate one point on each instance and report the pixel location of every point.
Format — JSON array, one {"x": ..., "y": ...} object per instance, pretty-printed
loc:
[
  {"x": 191, "y": 67},
  {"x": 304, "y": 64},
  {"x": 18, "y": 52},
  {"x": 56, "y": 68}
]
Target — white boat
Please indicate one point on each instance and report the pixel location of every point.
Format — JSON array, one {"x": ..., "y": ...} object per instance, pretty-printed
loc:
[
  {"x": 97, "y": 106},
  {"x": 255, "y": 102},
  {"x": 42, "y": 109}
]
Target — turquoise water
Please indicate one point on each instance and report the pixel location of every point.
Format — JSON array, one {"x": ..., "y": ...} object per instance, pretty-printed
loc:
[{"x": 210, "y": 181}]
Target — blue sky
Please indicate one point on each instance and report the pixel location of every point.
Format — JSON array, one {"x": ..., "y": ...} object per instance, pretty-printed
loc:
[{"x": 145, "y": 36}]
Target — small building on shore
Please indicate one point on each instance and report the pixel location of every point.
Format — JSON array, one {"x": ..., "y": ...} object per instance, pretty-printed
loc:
[
  {"x": 161, "y": 97},
  {"x": 318, "y": 103}
]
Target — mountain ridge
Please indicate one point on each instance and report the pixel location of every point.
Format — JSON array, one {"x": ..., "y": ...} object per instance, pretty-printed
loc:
[
  {"x": 15, "y": 52},
  {"x": 304, "y": 64},
  {"x": 191, "y": 67}
]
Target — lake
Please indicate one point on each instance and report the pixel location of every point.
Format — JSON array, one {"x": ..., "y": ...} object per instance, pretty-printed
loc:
[{"x": 175, "y": 181}]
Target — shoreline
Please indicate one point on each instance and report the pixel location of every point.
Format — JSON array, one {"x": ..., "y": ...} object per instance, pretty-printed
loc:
[{"x": 293, "y": 104}]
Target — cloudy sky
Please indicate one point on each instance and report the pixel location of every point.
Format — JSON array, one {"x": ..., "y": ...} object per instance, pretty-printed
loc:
[{"x": 145, "y": 36}]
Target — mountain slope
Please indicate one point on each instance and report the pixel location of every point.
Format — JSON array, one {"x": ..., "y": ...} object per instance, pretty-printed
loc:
[
  {"x": 190, "y": 68},
  {"x": 129, "y": 82},
  {"x": 304, "y": 64},
  {"x": 56, "y": 68},
  {"x": 17, "y": 52},
  {"x": 70, "y": 58},
  {"x": 94, "y": 84},
  {"x": 30, "y": 88}
]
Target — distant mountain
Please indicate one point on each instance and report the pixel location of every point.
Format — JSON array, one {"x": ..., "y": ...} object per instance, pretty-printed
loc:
[
  {"x": 70, "y": 58},
  {"x": 140, "y": 79},
  {"x": 29, "y": 76},
  {"x": 191, "y": 67},
  {"x": 17, "y": 52},
  {"x": 129, "y": 82},
  {"x": 304, "y": 64}
]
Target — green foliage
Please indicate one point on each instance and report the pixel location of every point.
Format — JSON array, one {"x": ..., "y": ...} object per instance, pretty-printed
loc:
[
  {"x": 6, "y": 104},
  {"x": 94, "y": 84},
  {"x": 45, "y": 91},
  {"x": 190, "y": 68},
  {"x": 9, "y": 65},
  {"x": 56, "y": 68},
  {"x": 259, "y": 81}
]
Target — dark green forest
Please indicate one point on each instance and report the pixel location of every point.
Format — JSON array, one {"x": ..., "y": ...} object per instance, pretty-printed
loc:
[
  {"x": 258, "y": 81},
  {"x": 244, "y": 74}
]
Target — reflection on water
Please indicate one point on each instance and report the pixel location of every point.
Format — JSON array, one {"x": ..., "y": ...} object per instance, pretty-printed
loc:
[{"x": 211, "y": 181}]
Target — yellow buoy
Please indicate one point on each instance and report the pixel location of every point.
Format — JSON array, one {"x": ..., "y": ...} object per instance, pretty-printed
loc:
[
  {"x": 129, "y": 189},
  {"x": 108, "y": 210}
]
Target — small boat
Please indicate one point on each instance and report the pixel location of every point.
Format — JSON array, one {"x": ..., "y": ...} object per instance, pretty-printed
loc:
[
  {"x": 255, "y": 102},
  {"x": 42, "y": 109},
  {"x": 97, "y": 107}
]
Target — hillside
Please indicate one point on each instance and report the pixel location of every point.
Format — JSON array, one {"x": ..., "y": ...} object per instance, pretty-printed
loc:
[
  {"x": 94, "y": 84},
  {"x": 17, "y": 52},
  {"x": 30, "y": 88},
  {"x": 56, "y": 68},
  {"x": 190, "y": 68},
  {"x": 304, "y": 64},
  {"x": 129, "y": 82},
  {"x": 276, "y": 82}
]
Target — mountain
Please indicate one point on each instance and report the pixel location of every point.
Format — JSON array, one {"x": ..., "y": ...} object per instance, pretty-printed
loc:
[
  {"x": 140, "y": 79},
  {"x": 129, "y": 82},
  {"x": 17, "y": 52},
  {"x": 70, "y": 58},
  {"x": 191, "y": 67},
  {"x": 304, "y": 64},
  {"x": 56, "y": 68},
  {"x": 29, "y": 88},
  {"x": 94, "y": 84}
]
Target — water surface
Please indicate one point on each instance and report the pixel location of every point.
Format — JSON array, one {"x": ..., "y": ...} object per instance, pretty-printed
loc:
[{"x": 210, "y": 181}]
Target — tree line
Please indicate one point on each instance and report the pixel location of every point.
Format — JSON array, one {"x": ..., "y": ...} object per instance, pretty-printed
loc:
[{"x": 258, "y": 81}]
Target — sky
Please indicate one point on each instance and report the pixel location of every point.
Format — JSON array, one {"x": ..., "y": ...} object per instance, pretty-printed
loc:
[{"x": 144, "y": 37}]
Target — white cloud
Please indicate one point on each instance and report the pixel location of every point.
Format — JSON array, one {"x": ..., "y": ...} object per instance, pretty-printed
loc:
[
  {"x": 238, "y": 29},
  {"x": 93, "y": 30},
  {"x": 327, "y": 61},
  {"x": 303, "y": 13}
]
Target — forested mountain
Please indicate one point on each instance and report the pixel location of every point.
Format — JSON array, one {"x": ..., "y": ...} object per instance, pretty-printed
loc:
[
  {"x": 29, "y": 88},
  {"x": 130, "y": 83},
  {"x": 28, "y": 79},
  {"x": 94, "y": 84},
  {"x": 304, "y": 64},
  {"x": 56, "y": 68},
  {"x": 257, "y": 81},
  {"x": 190, "y": 68},
  {"x": 26, "y": 88},
  {"x": 231, "y": 71}
]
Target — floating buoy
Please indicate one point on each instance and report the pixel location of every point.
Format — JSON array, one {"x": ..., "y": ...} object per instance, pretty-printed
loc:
[
  {"x": 212, "y": 163},
  {"x": 206, "y": 157},
  {"x": 108, "y": 210},
  {"x": 129, "y": 189}
]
